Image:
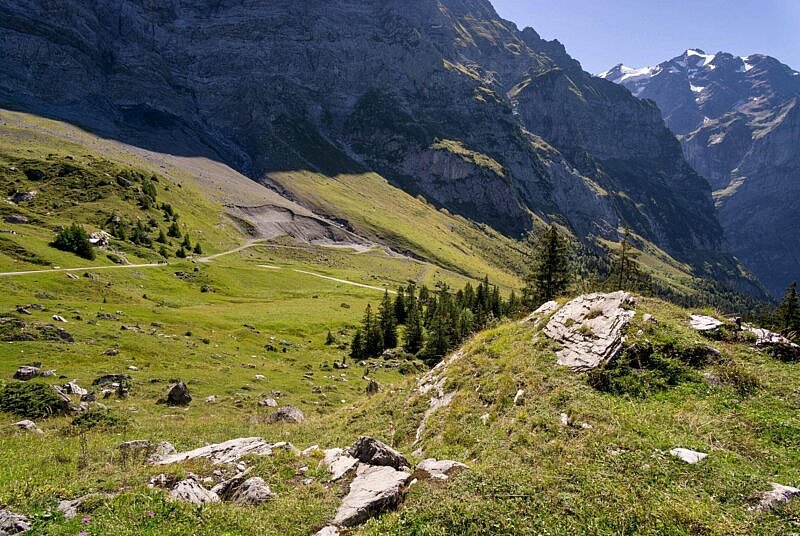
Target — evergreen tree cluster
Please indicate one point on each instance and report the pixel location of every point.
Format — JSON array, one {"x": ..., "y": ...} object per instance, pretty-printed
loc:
[
  {"x": 433, "y": 321},
  {"x": 74, "y": 239},
  {"x": 787, "y": 315}
]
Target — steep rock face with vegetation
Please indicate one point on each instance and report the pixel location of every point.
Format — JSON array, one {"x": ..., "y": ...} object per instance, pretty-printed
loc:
[
  {"x": 738, "y": 121},
  {"x": 445, "y": 99}
]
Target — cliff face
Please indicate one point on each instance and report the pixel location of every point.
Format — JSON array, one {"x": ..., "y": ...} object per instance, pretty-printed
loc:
[
  {"x": 738, "y": 121},
  {"x": 444, "y": 98}
]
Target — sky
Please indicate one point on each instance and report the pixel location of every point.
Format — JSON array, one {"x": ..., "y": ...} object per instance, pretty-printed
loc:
[{"x": 639, "y": 33}]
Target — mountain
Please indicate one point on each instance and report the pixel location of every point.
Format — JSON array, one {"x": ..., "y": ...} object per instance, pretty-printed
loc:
[
  {"x": 442, "y": 98},
  {"x": 738, "y": 120}
]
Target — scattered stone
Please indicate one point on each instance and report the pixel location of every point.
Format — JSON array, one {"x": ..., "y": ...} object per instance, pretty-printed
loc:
[
  {"x": 161, "y": 451},
  {"x": 372, "y": 388},
  {"x": 53, "y": 333},
  {"x": 222, "y": 453},
  {"x": 287, "y": 414},
  {"x": 485, "y": 419},
  {"x": 268, "y": 403},
  {"x": 111, "y": 379},
  {"x": 373, "y": 491},
  {"x": 72, "y": 508},
  {"x": 252, "y": 491},
  {"x": 15, "y": 218},
  {"x": 211, "y": 399},
  {"x": 565, "y": 420},
  {"x": 13, "y": 523},
  {"x": 133, "y": 368},
  {"x": 437, "y": 469},
  {"x": 23, "y": 197},
  {"x": 338, "y": 462},
  {"x": 519, "y": 398},
  {"x": 779, "y": 494},
  {"x": 330, "y": 530},
  {"x": 178, "y": 395},
  {"x": 373, "y": 452},
  {"x": 74, "y": 389},
  {"x": 705, "y": 323},
  {"x": 27, "y": 372},
  {"x": 591, "y": 329},
  {"x": 70, "y": 275},
  {"x": 192, "y": 492},
  {"x": 259, "y": 377},
  {"x": 648, "y": 319},
  {"x": 22, "y": 310},
  {"x": 712, "y": 379},
  {"x": 59, "y": 318},
  {"x": 112, "y": 351},
  {"x": 107, "y": 316},
  {"x": 30, "y": 426},
  {"x": 689, "y": 456}
]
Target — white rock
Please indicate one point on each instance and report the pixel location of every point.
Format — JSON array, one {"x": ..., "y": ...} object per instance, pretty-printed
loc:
[
  {"x": 211, "y": 399},
  {"x": 30, "y": 426},
  {"x": 777, "y": 495},
  {"x": 373, "y": 491},
  {"x": 438, "y": 469},
  {"x": 689, "y": 456},
  {"x": 590, "y": 329},
  {"x": 192, "y": 492},
  {"x": 519, "y": 398},
  {"x": 705, "y": 323},
  {"x": 330, "y": 530},
  {"x": 338, "y": 462},
  {"x": 59, "y": 318},
  {"x": 227, "y": 452},
  {"x": 13, "y": 523}
]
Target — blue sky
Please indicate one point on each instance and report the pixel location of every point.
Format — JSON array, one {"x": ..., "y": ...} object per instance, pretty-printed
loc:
[{"x": 602, "y": 33}]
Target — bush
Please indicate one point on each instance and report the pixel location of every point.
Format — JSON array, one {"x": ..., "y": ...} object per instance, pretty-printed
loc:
[
  {"x": 32, "y": 400},
  {"x": 99, "y": 419},
  {"x": 75, "y": 240}
]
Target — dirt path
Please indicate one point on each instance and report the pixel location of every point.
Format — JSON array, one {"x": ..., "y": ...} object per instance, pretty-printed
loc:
[
  {"x": 345, "y": 281},
  {"x": 85, "y": 268}
]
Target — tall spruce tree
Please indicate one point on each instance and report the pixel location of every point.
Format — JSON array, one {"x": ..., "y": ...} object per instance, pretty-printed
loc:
[
  {"x": 550, "y": 274},
  {"x": 400, "y": 312},
  {"x": 373, "y": 337},
  {"x": 388, "y": 323},
  {"x": 625, "y": 274},
  {"x": 788, "y": 313}
]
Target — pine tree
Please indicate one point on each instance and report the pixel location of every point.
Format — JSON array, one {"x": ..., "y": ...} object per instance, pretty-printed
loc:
[
  {"x": 197, "y": 249},
  {"x": 162, "y": 237},
  {"x": 788, "y": 313},
  {"x": 551, "y": 274},
  {"x": 174, "y": 230},
  {"x": 414, "y": 335},
  {"x": 329, "y": 340},
  {"x": 187, "y": 244},
  {"x": 625, "y": 273},
  {"x": 400, "y": 306},
  {"x": 373, "y": 337},
  {"x": 357, "y": 346},
  {"x": 388, "y": 323}
]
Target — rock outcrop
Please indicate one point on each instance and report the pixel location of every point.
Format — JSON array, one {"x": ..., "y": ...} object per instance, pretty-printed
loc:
[
  {"x": 373, "y": 491},
  {"x": 193, "y": 492},
  {"x": 222, "y": 453},
  {"x": 779, "y": 494},
  {"x": 178, "y": 395},
  {"x": 286, "y": 414},
  {"x": 373, "y": 452},
  {"x": 590, "y": 329},
  {"x": 13, "y": 523}
]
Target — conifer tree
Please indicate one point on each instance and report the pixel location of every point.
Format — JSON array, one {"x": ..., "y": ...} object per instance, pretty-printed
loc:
[
  {"x": 625, "y": 273},
  {"x": 388, "y": 324},
  {"x": 789, "y": 310},
  {"x": 550, "y": 274},
  {"x": 400, "y": 306},
  {"x": 373, "y": 337},
  {"x": 357, "y": 346}
]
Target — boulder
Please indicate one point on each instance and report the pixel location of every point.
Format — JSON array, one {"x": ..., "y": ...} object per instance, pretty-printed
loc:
[
  {"x": 373, "y": 491},
  {"x": 27, "y": 372},
  {"x": 287, "y": 414},
  {"x": 59, "y": 318},
  {"x": 29, "y": 426},
  {"x": 111, "y": 379},
  {"x": 249, "y": 492},
  {"x": 211, "y": 399},
  {"x": 13, "y": 523},
  {"x": 74, "y": 389},
  {"x": 178, "y": 395},
  {"x": 330, "y": 530},
  {"x": 373, "y": 452},
  {"x": 191, "y": 491},
  {"x": 519, "y": 398},
  {"x": 53, "y": 333},
  {"x": 705, "y": 323},
  {"x": 590, "y": 329},
  {"x": 15, "y": 218},
  {"x": 161, "y": 451},
  {"x": 437, "y": 469},
  {"x": 268, "y": 403},
  {"x": 23, "y": 197},
  {"x": 222, "y": 453},
  {"x": 338, "y": 462},
  {"x": 689, "y": 456},
  {"x": 779, "y": 494}
]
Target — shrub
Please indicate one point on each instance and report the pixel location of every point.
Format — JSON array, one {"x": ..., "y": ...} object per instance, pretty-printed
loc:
[
  {"x": 32, "y": 400},
  {"x": 75, "y": 240},
  {"x": 99, "y": 419}
]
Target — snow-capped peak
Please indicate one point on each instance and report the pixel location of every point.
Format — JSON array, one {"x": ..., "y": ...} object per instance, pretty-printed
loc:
[
  {"x": 696, "y": 52},
  {"x": 622, "y": 73}
]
